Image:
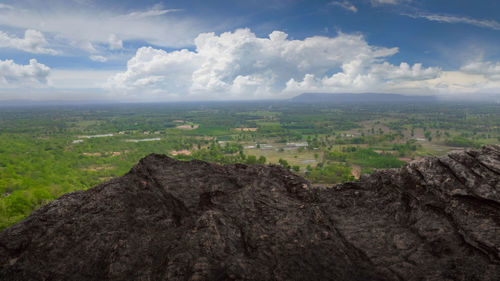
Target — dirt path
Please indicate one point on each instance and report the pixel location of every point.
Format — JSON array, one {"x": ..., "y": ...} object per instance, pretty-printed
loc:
[{"x": 356, "y": 171}]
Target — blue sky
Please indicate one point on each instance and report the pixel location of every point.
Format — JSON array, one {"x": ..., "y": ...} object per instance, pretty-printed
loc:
[{"x": 188, "y": 50}]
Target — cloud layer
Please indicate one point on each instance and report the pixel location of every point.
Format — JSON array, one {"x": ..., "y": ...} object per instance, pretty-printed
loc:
[
  {"x": 98, "y": 39},
  {"x": 240, "y": 65},
  {"x": 488, "y": 69},
  {"x": 492, "y": 24},
  {"x": 14, "y": 75},
  {"x": 89, "y": 28},
  {"x": 33, "y": 42},
  {"x": 345, "y": 4},
  {"x": 387, "y": 2}
]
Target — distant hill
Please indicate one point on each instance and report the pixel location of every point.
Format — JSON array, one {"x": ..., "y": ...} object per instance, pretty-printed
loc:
[{"x": 360, "y": 98}]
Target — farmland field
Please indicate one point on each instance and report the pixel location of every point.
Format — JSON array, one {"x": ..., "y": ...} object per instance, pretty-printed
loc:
[{"x": 47, "y": 151}]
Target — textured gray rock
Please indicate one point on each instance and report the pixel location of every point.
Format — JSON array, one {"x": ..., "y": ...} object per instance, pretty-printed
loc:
[{"x": 435, "y": 219}]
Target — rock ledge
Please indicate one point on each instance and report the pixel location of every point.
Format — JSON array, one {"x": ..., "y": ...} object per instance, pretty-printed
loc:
[{"x": 434, "y": 219}]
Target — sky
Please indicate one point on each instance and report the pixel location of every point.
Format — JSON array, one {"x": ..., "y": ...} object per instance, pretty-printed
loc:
[{"x": 249, "y": 49}]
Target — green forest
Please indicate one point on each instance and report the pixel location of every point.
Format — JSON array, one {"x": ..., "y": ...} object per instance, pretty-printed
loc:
[{"x": 47, "y": 151}]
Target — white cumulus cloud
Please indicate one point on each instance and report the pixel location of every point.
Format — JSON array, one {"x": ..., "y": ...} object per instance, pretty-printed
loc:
[
  {"x": 15, "y": 75},
  {"x": 486, "y": 68},
  {"x": 475, "y": 77},
  {"x": 403, "y": 72},
  {"x": 158, "y": 70},
  {"x": 358, "y": 78},
  {"x": 240, "y": 65},
  {"x": 33, "y": 42}
]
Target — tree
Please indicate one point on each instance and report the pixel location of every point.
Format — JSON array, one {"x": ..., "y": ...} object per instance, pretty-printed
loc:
[
  {"x": 428, "y": 135},
  {"x": 251, "y": 159},
  {"x": 284, "y": 164},
  {"x": 262, "y": 160}
]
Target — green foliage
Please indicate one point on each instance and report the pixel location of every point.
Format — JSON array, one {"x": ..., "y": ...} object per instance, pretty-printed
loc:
[
  {"x": 405, "y": 149},
  {"x": 461, "y": 142},
  {"x": 284, "y": 163},
  {"x": 39, "y": 162},
  {"x": 252, "y": 160},
  {"x": 262, "y": 160},
  {"x": 336, "y": 156},
  {"x": 369, "y": 158},
  {"x": 333, "y": 173},
  {"x": 428, "y": 135}
]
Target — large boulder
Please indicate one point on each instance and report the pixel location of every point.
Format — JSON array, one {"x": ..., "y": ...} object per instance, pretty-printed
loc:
[{"x": 433, "y": 219}]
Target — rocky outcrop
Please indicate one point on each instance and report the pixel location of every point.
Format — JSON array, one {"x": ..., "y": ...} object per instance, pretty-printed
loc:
[{"x": 434, "y": 219}]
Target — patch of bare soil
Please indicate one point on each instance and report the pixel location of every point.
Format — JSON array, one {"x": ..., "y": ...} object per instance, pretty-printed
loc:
[
  {"x": 356, "y": 171},
  {"x": 246, "y": 129},
  {"x": 96, "y": 168},
  {"x": 96, "y": 154},
  {"x": 187, "y": 127},
  {"x": 177, "y": 152},
  {"x": 406, "y": 159}
]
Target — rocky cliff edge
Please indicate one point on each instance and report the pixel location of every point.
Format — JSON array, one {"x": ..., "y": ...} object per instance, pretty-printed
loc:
[{"x": 433, "y": 219}]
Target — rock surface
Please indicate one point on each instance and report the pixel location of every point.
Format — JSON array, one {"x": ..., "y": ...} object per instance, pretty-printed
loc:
[{"x": 434, "y": 219}]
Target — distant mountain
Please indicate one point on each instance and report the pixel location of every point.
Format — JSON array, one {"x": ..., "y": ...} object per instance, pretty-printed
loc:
[{"x": 360, "y": 98}]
